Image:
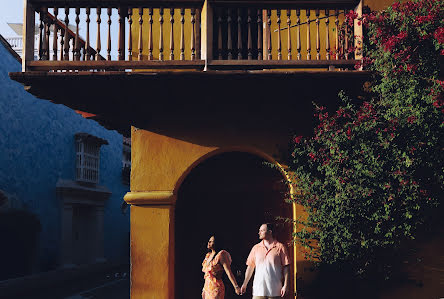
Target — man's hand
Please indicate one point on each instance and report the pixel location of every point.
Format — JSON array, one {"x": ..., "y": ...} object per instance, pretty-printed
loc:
[
  {"x": 243, "y": 289},
  {"x": 283, "y": 291},
  {"x": 248, "y": 274}
]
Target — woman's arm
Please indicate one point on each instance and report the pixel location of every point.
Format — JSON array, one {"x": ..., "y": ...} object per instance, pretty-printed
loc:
[{"x": 230, "y": 275}]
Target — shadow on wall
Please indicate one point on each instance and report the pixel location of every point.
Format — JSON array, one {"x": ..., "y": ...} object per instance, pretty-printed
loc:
[{"x": 19, "y": 232}]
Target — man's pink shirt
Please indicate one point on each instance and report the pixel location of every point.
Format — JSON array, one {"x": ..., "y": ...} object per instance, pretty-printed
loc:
[{"x": 269, "y": 264}]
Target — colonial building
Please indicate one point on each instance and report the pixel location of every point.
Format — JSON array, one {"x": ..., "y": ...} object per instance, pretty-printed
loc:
[
  {"x": 66, "y": 171},
  {"x": 213, "y": 91}
]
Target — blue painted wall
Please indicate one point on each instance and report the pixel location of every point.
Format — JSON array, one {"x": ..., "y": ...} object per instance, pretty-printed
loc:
[{"x": 37, "y": 148}]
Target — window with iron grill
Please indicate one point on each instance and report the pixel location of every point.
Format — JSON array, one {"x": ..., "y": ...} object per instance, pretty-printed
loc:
[{"x": 88, "y": 157}]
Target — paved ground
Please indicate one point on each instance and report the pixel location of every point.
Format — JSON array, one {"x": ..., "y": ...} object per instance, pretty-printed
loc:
[
  {"x": 118, "y": 288},
  {"x": 109, "y": 287}
]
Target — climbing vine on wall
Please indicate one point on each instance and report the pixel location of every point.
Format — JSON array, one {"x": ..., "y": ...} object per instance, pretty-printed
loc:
[{"x": 372, "y": 172}]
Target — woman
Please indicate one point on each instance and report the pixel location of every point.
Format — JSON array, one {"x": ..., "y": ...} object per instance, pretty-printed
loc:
[{"x": 213, "y": 266}]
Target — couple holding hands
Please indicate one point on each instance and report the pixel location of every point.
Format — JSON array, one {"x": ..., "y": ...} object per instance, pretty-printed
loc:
[{"x": 268, "y": 260}]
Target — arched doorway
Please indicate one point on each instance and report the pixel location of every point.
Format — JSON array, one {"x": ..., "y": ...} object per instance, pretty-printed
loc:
[{"x": 228, "y": 195}]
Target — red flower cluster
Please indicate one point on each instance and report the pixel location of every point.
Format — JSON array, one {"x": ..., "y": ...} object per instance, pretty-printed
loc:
[
  {"x": 393, "y": 40},
  {"x": 297, "y": 139},
  {"x": 350, "y": 17},
  {"x": 439, "y": 35},
  {"x": 411, "y": 119},
  {"x": 312, "y": 156},
  {"x": 438, "y": 103}
]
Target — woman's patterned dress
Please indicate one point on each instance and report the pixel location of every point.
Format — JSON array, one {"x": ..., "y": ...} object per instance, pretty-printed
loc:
[{"x": 214, "y": 287}]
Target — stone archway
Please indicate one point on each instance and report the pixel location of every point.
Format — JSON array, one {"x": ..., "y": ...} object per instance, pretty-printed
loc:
[{"x": 228, "y": 194}]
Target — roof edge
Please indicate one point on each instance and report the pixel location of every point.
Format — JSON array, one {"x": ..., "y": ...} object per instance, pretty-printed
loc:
[{"x": 10, "y": 49}]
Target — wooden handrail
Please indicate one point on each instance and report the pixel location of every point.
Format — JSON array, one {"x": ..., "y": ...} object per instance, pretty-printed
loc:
[
  {"x": 288, "y": 4},
  {"x": 71, "y": 34},
  {"x": 117, "y": 3}
]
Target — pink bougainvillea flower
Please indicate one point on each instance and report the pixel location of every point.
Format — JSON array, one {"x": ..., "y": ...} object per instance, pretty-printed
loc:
[
  {"x": 297, "y": 139},
  {"x": 439, "y": 35}
]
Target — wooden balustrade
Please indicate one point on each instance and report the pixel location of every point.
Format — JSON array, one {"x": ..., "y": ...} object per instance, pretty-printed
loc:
[
  {"x": 138, "y": 35},
  {"x": 315, "y": 23},
  {"x": 75, "y": 48}
]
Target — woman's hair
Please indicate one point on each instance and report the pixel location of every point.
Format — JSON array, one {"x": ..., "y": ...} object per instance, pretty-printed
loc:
[{"x": 218, "y": 242}]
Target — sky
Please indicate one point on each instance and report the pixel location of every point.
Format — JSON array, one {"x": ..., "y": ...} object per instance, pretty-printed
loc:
[{"x": 11, "y": 11}]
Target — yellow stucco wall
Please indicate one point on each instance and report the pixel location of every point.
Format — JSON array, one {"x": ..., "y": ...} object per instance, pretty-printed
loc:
[
  {"x": 159, "y": 161},
  {"x": 151, "y": 269},
  {"x": 379, "y": 4},
  {"x": 159, "y": 164}
]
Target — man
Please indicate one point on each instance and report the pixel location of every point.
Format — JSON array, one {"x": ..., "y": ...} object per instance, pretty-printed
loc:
[{"x": 270, "y": 259}]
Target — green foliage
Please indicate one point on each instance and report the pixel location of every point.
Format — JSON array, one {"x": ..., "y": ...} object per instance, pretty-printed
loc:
[{"x": 372, "y": 174}]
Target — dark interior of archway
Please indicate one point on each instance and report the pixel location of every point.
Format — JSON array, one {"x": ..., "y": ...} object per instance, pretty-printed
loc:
[{"x": 228, "y": 195}]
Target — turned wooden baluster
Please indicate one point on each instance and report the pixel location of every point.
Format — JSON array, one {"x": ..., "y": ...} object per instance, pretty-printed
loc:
[
  {"x": 193, "y": 36},
  {"x": 346, "y": 39},
  {"x": 278, "y": 21},
  {"x": 110, "y": 11},
  {"x": 318, "y": 38},
  {"x": 161, "y": 34},
  {"x": 239, "y": 34},
  {"x": 76, "y": 40},
  {"x": 87, "y": 53},
  {"x": 172, "y": 34},
  {"x": 66, "y": 48},
  {"x": 83, "y": 52},
  {"x": 44, "y": 24},
  {"x": 337, "y": 33},
  {"x": 229, "y": 42},
  {"x": 307, "y": 13},
  {"x": 130, "y": 34},
  {"x": 219, "y": 33},
  {"x": 121, "y": 40},
  {"x": 41, "y": 34},
  {"x": 182, "y": 34},
  {"x": 288, "y": 34},
  {"x": 55, "y": 41},
  {"x": 259, "y": 34},
  {"x": 269, "y": 45},
  {"x": 98, "y": 41},
  {"x": 47, "y": 34},
  {"x": 298, "y": 33},
  {"x": 62, "y": 42},
  {"x": 197, "y": 30},
  {"x": 249, "y": 38},
  {"x": 327, "y": 34},
  {"x": 150, "y": 34},
  {"x": 140, "y": 33}
]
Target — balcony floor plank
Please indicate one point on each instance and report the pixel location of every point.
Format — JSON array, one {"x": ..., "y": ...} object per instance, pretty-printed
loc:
[{"x": 115, "y": 65}]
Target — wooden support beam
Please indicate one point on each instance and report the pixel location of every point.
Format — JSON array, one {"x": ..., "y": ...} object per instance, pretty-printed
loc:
[
  {"x": 28, "y": 34},
  {"x": 207, "y": 33}
]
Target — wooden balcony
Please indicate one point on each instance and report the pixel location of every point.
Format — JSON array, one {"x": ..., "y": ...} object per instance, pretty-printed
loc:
[
  {"x": 135, "y": 35},
  {"x": 132, "y": 62}
]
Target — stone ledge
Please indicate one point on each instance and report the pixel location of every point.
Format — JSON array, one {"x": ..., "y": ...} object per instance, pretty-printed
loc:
[
  {"x": 75, "y": 192},
  {"x": 150, "y": 198}
]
